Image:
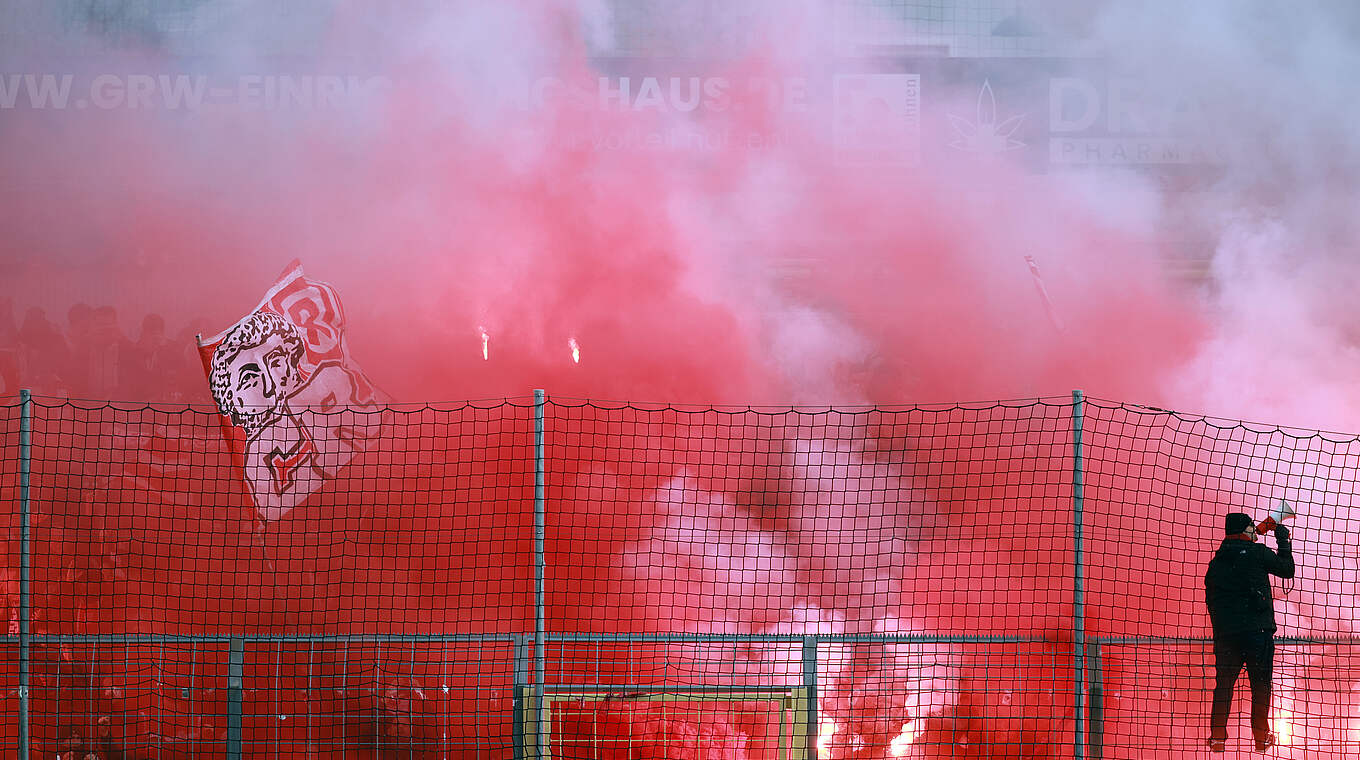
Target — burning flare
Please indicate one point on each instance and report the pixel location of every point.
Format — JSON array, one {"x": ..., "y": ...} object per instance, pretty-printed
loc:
[
  {"x": 575, "y": 350},
  {"x": 825, "y": 731},
  {"x": 486, "y": 340},
  {"x": 1282, "y": 722},
  {"x": 899, "y": 746}
]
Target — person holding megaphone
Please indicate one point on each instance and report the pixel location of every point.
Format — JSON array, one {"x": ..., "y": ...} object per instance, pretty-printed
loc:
[{"x": 1242, "y": 611}]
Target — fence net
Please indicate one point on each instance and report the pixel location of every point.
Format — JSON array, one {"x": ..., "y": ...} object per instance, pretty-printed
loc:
[{"x": 1013, "y": 579}]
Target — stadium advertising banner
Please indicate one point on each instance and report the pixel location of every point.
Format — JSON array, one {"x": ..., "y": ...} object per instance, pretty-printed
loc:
[
  {"x": 892, "y": 112},
  {"x": 1045, "y": 113}
]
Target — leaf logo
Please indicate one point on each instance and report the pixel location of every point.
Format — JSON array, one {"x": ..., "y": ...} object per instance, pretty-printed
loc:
[{"x": 984, "y": 135}]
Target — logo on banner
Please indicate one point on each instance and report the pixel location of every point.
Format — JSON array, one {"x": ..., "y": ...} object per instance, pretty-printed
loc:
[
  {"x": 877, "y": 119},
  {"x": 294, "y": 407},
  {"x": 983, "y": 134},
  {"x": 1123, "y": 122}
]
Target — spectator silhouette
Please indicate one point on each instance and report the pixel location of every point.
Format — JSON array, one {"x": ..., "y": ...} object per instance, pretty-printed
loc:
[
  {"x": 93, "y": 359},
  {"x": 9, "y": 332},
  {"x": 80, "y": 320},
  {"x": 146, "y": 366},
  {"x": 109, "y": 357},
  {"x": 9, "y": 350},
  {"x": 43, "y": 355}
]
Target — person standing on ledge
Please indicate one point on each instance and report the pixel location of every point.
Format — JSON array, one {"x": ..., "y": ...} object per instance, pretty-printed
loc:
[{"x": 1237, "y": 593}]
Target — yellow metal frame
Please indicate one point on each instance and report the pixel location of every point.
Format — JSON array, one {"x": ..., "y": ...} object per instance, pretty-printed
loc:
[{"x": 795, "y": 735}]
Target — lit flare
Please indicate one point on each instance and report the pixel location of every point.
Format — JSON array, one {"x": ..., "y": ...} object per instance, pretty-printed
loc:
[
  {"x": 825, "y": 731},
  {"x": 899, "y": 746},
  {"x": 1282, "y": 722}
]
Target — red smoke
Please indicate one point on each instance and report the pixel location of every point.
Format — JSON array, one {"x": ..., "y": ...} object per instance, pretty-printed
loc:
[
  {"x": 754, "y": 270},
  {"x": 443, "y": 203}
]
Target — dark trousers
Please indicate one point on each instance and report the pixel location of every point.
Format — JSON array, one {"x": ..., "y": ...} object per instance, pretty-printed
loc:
[{"x": 1255, "y": 650}]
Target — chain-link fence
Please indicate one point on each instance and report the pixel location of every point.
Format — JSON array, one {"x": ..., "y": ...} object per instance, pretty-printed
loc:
[{"x": 563, "y": 578}]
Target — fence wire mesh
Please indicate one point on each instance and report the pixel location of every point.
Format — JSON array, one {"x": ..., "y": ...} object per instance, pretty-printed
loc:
[{"x": 923, "y": 581}]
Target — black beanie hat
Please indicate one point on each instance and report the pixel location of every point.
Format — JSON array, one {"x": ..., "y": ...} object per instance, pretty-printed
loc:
[{"x": 1236, "y": 522}]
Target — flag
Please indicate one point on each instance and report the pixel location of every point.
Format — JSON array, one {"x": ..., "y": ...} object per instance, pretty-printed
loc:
[{"x": 293, "y": 406}]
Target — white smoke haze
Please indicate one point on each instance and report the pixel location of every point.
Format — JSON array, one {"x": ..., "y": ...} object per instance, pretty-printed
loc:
[{"x": 1269, "y": 83}]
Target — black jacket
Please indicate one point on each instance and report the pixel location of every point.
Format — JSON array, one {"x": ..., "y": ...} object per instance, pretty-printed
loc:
[{"x": 1236, "y": 588}]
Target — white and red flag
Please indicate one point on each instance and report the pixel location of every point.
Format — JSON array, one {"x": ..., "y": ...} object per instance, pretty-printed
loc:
[{"x": 293, "y": 406}]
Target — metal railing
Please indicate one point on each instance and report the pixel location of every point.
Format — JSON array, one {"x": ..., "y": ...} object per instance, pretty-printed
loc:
[{"x": 513, "y": 711}]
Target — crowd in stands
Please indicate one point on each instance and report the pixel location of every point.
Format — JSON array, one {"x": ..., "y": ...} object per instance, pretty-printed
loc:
[{"x": 91, "y": 357}]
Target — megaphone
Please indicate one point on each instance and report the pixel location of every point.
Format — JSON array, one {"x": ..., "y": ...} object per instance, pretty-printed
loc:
[{"x": 1282, "y": 511}]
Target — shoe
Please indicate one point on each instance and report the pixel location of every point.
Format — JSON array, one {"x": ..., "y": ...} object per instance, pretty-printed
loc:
[
  {"x": 1218, "y": 745},
  {"x": 1265, "y": 743}
]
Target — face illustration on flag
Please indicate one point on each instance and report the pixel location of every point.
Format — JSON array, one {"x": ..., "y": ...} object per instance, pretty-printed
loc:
[{"x": 293, "y": 407}]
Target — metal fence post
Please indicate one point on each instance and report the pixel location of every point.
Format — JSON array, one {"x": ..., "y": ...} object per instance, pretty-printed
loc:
[
  {"x": 520, "y": 644},
  {"x": 1095, "y": 711},
  {"x": 810, "y": 684},
  {"x": 1078, "y": 603},
  {"x": 236, "y": 658},
  {"x": 25, "y": 469},
  {"x": 540, "y": 615}
]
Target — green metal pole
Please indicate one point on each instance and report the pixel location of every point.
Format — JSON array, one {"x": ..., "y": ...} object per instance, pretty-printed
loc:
[
  {"x": 520, "y": 643},
  {"x": 540, "y": 613},
  {"x": 25, "y": 470},
  {"x": 1078, "y": 580},
  {"x": 810, "y": 684},
  {"x": 236, "y": 659},
  {"x": 1095, "y": 725}
]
